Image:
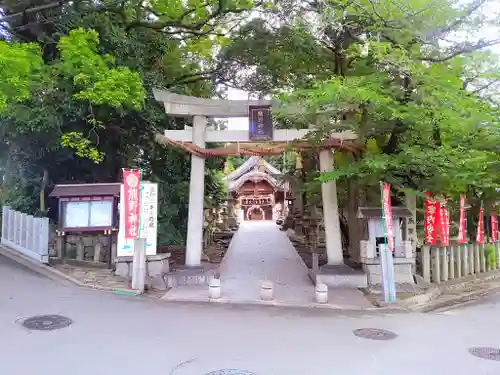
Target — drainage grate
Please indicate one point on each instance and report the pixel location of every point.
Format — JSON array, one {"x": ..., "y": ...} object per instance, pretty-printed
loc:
[
  {"x": 492, "y": 354},
  {"x": 230, "y": 372},
  {"x": 47, "y": 322},
  {"x": 375, "y": 334}
]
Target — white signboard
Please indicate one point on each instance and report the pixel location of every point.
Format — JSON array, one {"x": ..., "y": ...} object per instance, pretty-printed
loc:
[{"x": 148, "y": 221}]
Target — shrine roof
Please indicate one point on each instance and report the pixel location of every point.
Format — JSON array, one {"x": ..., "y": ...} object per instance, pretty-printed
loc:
[
  {"x": 255, "y": 176},
  {"x": 82, "y": 190},
  {"x": 249, "y": 171},
  {"x": 250, "y": 164},
  {"x": 377, "y": 213}
]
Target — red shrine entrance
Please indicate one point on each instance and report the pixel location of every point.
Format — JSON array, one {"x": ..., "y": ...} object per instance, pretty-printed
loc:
[{"x": 258, "y": 192}]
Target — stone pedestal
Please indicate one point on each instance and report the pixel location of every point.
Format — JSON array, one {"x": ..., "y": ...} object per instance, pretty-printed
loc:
[
  {"x": 403, "y": 263},
  {"x": 339, "y": 276},
  {"x": 321, "y": 293},
  {"x": 156, "y": 267},
  {"x": 214, "y": 289},
  {"x": 266, "y": 291},
  {"x": 185, "y": 275}
]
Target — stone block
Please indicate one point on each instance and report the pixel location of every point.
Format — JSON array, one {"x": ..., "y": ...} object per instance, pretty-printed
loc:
[
  {"x": 266, "y": 291},
  {"x": 339, "y": 276},
  {"x": 89, "y": 252},
  {"x": 321, "y": 292},
  {"x": 123, "y": 269},
  {"x": 367, "y": 250},
  {"x": 156, "y": 283},
  {"x": 403, "y": 270},
  {"x": 156, "y": 265},
  {"x": 214, "y": 289},
  {"x": 403, "y": 273}
]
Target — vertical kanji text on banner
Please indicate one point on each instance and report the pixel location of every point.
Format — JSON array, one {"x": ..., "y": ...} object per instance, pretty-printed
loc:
[{"x": 132, "y": 202}]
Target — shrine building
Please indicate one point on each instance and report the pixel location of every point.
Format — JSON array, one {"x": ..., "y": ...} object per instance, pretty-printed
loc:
[{"x": 258, "y": 191}]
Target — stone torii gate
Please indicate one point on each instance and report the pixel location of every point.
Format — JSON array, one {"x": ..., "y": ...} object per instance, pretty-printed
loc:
[{"x": 199, "y": 110}]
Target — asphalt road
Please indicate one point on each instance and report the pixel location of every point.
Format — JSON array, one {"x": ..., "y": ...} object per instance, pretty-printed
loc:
[{"x": 125, "y": 335}]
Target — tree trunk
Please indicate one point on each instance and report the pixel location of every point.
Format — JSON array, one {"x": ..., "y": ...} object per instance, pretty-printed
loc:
[{"x": 43, "y": 186}]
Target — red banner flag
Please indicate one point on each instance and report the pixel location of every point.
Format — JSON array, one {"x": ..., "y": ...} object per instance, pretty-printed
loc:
[
  {"x": 444, "y": 228},
  {"x": 431, "y": 220},
  {"x": 131, "y": 200},
  {"x": 494, "y": 228},
  {"x": 461, "y": 228},
  {"x": 386, "y": 204},
  {"x": 480, "y": 227}
]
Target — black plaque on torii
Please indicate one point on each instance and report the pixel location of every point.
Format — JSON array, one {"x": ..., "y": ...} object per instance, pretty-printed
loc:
[{"x": 260, "y": 123}]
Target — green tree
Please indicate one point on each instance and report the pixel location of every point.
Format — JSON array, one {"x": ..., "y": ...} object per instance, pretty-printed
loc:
[
  {"x": 89, "y": 96},
  {"x": 425, "y": 115}
]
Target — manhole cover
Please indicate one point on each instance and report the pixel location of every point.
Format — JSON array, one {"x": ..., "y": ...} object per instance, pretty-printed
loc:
[
  {"x": 375, "y": 334},
  {"x": 493, "y": 354},
  {"x": 46, "y": 322},
  {"x": 230, "y": 372}
]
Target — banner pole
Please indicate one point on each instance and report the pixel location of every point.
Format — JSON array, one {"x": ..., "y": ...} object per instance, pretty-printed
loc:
[
  {"x": 139, "y": 258},
  {"x": 386, "y": 260}
]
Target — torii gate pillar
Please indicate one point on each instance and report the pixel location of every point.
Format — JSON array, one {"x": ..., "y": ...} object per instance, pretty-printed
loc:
[
  {"x": 330, "y": 212},
  {"x": 194, "y": 241}
]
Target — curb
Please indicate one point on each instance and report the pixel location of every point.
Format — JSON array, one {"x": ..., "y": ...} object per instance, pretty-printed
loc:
[
  {"x": 57, "y": 275},
  {"x": 429, "y": 301},
  {"x": 311, "y": 306},
  {"x": 457, "y": 300},
  {"x": 423, "y": 299}
]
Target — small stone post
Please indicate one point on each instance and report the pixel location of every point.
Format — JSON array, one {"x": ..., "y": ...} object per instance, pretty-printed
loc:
[
  {"x": 214, "y": 289},
  {"x": 97, "y": 250},
  {"x": 436, "y": 270},
  {"x": 451, "y": 263},
  {"x": 465, "y": 259},
  {"x": 497, "y": 249},
  {"x": 482, "y": 257},
  {"x": 459, "y": 260},
  {"x": 315, "y": 261},
  {"x": 266, "y": 291},
  {"x": 426, "y": 263},
  {"x": 60, "y": 246},
  {"x": 80, "y": 249},
  {"x": 470, "y": 251},
  {"x": 444, "y": 263},
  {"x": 321, "y": 293},
  {"x": 477, "y": 258}
]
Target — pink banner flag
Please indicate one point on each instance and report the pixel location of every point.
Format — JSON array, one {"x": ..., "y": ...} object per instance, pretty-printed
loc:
[
  {"x": 387, "y": 208},
  {"x": 431, "y": 219},
  {"x": 462, "y": 238},
  {"x": 132, "y": 204},
  {"x": 480, "y": 227},
  {"x": 494, "y": 228}
]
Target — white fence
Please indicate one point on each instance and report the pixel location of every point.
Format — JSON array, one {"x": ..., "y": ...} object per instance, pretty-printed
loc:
[
  {"x": 455, "y": 262},
  {"x": 26, "y": 234}
]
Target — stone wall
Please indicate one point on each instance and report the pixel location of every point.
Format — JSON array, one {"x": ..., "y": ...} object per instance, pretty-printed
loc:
[{"x": 84, "y": 247}]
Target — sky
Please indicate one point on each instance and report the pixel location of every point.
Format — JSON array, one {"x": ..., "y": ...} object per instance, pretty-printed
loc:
[{"x": 237, "y": 123}]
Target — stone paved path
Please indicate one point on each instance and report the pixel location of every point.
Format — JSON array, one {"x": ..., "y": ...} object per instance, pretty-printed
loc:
[{"x": 260, "y": 251}]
